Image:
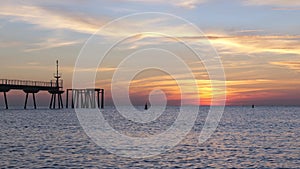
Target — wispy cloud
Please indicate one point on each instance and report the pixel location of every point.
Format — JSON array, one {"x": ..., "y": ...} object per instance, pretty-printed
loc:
[
  {"x": 51, "y": 43},
  {"x": 241, "y": 42},
  {"x": 189, "y": 4},
  {"x": 7, "y": 44},
  {"x": 247, "y": 31},
  {"x": 62, "y": 19},
  {"x": 282, "y": 44},
  {"x": 284, "y": 3},
  {"x": 293, "y": 65},
  {"x": 286, "y": 9},
  {"x": 52, "y": 18},
  {"x": 260, "y": 91}
]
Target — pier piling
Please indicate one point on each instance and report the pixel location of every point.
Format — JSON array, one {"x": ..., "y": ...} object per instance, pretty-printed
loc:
[{"x": 85, "y": 98}]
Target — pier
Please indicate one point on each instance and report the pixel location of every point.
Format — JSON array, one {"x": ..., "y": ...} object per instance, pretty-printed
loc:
[
  {"x": 83, "y": 98},
  {"x": 54, "y": 87},
  {"x": 29, "y": 87}
]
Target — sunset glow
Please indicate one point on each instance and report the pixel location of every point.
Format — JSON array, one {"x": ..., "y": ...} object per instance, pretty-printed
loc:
[{"x": 258, "y": 43}]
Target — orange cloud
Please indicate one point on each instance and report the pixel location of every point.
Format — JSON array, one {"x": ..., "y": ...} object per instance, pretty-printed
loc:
[{"x": 257, "y": 44}]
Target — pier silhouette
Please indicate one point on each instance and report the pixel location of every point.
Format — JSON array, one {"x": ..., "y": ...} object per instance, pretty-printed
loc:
[
  {"x": 85, "y": 98},
  {"x": 29, "y": 87},
  {"x": 55, "y": 88}
]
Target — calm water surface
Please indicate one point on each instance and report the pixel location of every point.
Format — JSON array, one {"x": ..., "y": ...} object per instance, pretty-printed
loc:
[{"x": 264, "y": 137}]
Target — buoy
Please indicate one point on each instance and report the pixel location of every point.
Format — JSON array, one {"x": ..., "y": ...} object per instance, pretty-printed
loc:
[
  {"x": 253, "y": 106},
  {"x": 146, "y": 106}
]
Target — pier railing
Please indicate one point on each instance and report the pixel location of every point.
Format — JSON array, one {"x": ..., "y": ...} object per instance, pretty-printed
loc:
[{"x": 52, "y": 83}]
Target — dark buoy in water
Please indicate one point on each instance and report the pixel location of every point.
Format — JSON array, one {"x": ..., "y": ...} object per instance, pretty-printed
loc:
[
  {"x": 146, "y": 106},
  {"x": 253, "y": 106}
]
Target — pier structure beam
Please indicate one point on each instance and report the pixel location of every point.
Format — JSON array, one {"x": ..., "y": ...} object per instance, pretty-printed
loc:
[
  {"x": 26, "y": 98},
  {"x": 5, "y": 100},
  {"x": 32, "y": 91},
  {"x": 4, "y": 90},
  {"x": 102, "y": 98},
  {"x": 67, "y": 98},
  {"x": 72, "y": 100},
  {"x": 56, "y": 94}
]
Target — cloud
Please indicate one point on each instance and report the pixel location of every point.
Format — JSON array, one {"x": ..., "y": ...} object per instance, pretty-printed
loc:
[
  {"x": 284, "y": 3},
  {"x": 7, "y": 44},
  {"x": 226, "y": 43},
  {"x": 281, "y": 44},
  {"x": 247, "y": 31},
  {"x": 229, "y": 45},
  {"x": 52, "y": 18},
  {"x": 259, "y": 91},
  {"x": 189, "y": 4},
  {"x": 286, "y": 9},
  {"x": 51, "y": 43},
  {"x": 58, "y": 18},
  {"x": 293, "y": 65}
]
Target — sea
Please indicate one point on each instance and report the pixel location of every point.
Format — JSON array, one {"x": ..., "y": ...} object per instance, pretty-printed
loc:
[{"x": 260, "y": 137}]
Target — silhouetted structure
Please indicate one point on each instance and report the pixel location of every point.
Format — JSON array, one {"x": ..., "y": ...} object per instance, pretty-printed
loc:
[
  {"x": 56, "y": 91},
  {"x": 81, "y": 98},
  {"x": 253, "y": 106},
  {"x": 33, "y": 87},
  {"x": 146, "y": 106},
  {"x": 85, "y": 98}
]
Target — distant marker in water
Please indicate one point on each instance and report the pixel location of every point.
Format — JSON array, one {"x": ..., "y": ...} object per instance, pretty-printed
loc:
[
  {"x": 146, "y": 106},
  {"x": 253, "y": 106}
]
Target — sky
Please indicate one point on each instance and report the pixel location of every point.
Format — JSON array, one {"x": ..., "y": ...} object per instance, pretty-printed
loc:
[{"x": 258, "y": 43}]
